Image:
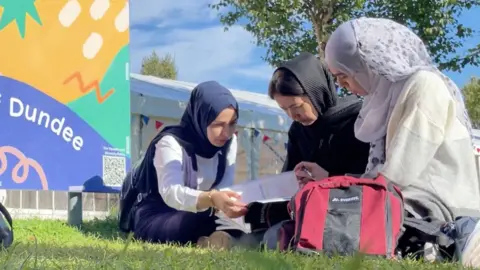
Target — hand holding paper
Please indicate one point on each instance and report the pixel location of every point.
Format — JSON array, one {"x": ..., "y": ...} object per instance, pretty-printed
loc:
[
  {"x": 279, "y": 187},
  {"x": 228, "y": 202}
]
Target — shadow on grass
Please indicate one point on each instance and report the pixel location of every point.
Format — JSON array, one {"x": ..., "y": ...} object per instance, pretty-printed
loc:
[
  {"x": 104, "y": 228},
  {"x": 148, "y": 256},
  {"x": 41, "y": 256}
]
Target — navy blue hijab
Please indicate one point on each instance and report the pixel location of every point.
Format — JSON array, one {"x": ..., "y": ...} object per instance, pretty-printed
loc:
[{"x": 207, "y": 101}]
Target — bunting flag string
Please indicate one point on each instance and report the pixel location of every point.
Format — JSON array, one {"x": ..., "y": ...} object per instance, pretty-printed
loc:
[
  {"x": 269, "y": 142},
  {"x": 145, "y": 119},
  {"x": 158, "y": 124},
  {"x": 266, "y": 138}
]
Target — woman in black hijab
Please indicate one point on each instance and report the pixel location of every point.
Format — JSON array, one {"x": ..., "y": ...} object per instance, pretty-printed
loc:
[{"x": 322, "y": 131}]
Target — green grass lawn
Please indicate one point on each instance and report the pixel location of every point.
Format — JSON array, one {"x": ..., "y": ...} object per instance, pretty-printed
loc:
[{"x": 50, "y": 244}]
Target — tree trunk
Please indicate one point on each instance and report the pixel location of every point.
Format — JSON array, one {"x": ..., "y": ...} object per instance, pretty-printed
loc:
[
  {"x": 320, "y": 43},
  {"x": 320, "y": 16}
]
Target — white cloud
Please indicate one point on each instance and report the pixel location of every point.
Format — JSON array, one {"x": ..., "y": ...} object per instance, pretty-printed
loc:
[
  {"x": 261, "y": 72},
  {"x": 200, "y": 53},
  {"x": 171, "y": 12}
]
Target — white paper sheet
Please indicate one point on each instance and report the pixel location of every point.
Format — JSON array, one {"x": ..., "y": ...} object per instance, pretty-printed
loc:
[
  {"x": 273, "y": 186},
  {"x": 280, "y": 187}
]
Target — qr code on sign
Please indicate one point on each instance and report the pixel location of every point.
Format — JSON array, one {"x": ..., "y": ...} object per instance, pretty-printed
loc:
[{"x": 114, "y": 170}]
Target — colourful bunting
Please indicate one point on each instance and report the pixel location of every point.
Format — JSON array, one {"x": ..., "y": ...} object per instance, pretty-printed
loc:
[
  {"x": 266, "y": 138},
  {"x": 145, "y": 119},
  {"x": 158, "y": 124}
]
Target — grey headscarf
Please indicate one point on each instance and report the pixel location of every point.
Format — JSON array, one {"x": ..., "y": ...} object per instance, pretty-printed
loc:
[{"x": 381, "y": 55}]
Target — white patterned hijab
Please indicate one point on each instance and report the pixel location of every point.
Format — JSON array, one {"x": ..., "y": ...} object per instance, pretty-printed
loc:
[{"x": 381, "y": 55}]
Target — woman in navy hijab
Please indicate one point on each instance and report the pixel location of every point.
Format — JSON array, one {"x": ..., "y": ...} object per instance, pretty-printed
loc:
[{"x": 184, "y": 167}]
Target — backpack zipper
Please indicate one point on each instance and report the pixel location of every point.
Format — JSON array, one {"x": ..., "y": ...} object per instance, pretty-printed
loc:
[{"x": 292, "y": 207}]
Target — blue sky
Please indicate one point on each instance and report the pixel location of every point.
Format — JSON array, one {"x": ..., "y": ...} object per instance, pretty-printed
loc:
[{"x": 190, "y": 31}]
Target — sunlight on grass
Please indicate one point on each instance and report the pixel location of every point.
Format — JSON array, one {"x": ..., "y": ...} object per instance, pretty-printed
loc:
[{"x": 49, "y": 244}]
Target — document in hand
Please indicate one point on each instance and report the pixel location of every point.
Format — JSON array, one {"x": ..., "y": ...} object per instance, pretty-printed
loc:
[{"x": 280, "y": 187}]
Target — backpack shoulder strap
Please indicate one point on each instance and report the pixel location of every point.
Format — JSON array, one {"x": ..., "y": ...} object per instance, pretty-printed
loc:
[
  {"x": 194, "y": 162},
  {"x": 222, "y": 165}
]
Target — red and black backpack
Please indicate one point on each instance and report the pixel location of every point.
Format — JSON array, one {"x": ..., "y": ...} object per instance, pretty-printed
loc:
[{"x": 343, "y": 215}]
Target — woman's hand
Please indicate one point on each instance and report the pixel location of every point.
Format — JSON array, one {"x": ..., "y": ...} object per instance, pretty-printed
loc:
[
  {"x": 229, "y": 203},
  {"x": 303, "y": 169}
]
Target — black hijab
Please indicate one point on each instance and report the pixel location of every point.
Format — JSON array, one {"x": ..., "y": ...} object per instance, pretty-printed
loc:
[
  {"x": 314, "y": 142},
  {"x": 319, "y": 86},
  {"x": 315, "y": 80}
]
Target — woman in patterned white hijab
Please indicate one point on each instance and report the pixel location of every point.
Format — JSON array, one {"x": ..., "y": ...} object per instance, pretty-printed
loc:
[
  {"x": 413, "y": 116},
  {"x": 377, "y": 56}
]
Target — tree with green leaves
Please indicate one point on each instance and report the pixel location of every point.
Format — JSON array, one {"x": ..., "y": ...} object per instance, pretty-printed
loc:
[
  {"x": 162, "y": 67},
  {"x": 471, "y": 92},
  {"x": 472, "y": 57},
  {"x": 287, "y": 27}
]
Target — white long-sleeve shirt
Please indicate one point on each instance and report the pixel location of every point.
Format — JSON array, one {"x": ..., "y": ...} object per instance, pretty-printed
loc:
[
  {"x": 429, "y": 152},
  {"x": 174, "y": 168}
]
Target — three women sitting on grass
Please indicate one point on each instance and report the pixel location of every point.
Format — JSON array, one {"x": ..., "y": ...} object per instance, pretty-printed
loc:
[{"x": 413, "y": 118}]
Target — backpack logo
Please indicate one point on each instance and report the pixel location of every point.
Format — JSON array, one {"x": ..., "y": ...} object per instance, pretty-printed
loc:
[{"x": 346, "y": 200}]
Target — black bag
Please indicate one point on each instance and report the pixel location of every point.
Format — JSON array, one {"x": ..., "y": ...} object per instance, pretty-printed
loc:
[
  {"x": 130, "y": 195},
  {"x": 262, "y": 216},
  {"x": 6, "y": 227},
  {"x": 417, "y": 232}
]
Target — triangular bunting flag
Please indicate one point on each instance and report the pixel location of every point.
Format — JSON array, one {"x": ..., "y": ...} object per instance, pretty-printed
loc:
[
  {"x": 158, "y": 124},
  {"x": 256, "y": 132},
  {"x": 265, "y": 138},
  {"x": 145, "y": 119}
]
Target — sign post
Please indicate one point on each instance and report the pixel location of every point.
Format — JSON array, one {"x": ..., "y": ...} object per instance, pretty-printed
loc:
[{"x": 64, "y": 95}]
